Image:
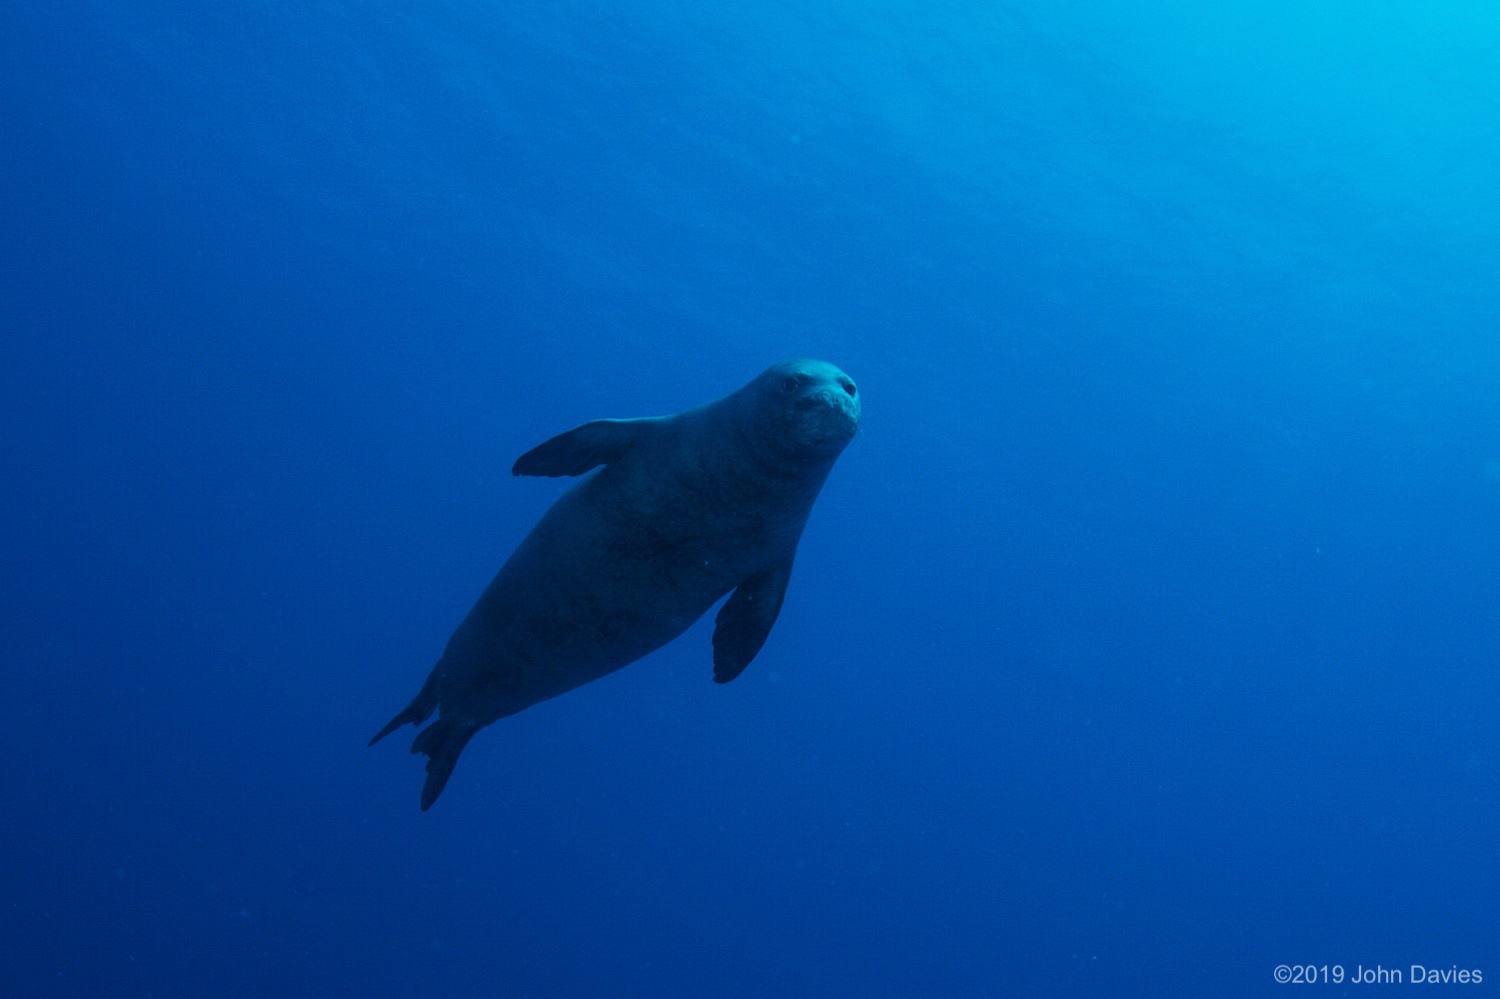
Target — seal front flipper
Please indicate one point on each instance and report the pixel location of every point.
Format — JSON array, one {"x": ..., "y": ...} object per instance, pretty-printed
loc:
[
  {"x": 745, "y": 620},
  {"x": 597, "y": 442}
]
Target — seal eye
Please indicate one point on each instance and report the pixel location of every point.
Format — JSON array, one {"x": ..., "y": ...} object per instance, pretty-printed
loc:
[{"x": 790, "y": 384}]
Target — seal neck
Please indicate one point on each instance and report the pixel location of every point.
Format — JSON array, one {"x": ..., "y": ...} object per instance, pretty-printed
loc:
[{"x": 768, "y": 440}]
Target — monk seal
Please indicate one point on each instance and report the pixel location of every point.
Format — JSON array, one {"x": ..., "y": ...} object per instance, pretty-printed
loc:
[{"x": 686, "y": 509}]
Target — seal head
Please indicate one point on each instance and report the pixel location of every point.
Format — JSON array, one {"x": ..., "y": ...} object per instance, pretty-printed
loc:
[{"x": 800, "y": 413}]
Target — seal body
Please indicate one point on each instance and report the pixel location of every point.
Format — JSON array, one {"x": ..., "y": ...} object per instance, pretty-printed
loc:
[{"x": 685, "y": 509}]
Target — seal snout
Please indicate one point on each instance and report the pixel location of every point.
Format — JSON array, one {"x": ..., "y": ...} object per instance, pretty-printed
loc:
[
  {"x": 828, "y": 414},
  {"x": 838, "y": 399},
  {"x": 839, "y": 394}
]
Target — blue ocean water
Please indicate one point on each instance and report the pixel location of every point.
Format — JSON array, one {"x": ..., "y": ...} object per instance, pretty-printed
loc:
[{"x": 1143, "y": 641}]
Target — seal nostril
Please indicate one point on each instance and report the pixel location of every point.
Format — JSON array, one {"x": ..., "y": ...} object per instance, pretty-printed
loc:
[{"x": 848, "y": 386}]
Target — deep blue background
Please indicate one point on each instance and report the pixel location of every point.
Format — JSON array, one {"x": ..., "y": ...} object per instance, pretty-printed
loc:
[{"x": 1146, "y": 637}]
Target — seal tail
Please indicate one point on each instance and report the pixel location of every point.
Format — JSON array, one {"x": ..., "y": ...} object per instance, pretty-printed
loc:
[{"x": 442, "y": 741}]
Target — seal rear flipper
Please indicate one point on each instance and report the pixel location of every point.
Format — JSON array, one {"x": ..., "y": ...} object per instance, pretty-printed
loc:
[
  {"x": 442, "y": 741},
  {"x": 597, "y": 442},
  {"x": 743, "y": 623},
  {"x": 416, "y": 712}
]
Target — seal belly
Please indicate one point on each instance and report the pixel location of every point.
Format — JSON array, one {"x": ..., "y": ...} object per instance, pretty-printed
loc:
[{"x": 584, "y": 595}]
